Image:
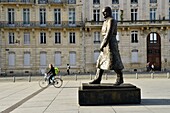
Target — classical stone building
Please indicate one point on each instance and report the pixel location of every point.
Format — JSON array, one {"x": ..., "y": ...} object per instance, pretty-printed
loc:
[
  {"x": 143, "y": 32},
  {"x": 34, "y": 33}
]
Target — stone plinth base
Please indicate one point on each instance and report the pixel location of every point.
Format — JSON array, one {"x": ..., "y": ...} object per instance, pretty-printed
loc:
[{"x": 108, "y": 94}]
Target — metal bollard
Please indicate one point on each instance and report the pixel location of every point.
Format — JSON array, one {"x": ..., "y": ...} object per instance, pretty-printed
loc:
[
  {"x": 13, "y": 78},
  {"x": 152, "y": 75},
  {"x": 76, "y": 77},
  {"x": 168, "y": 75},
  {"x": 136, "y": 75},
  {"x": 60, "y": 76},
  {"x": 90, "y": 77},
  {"x": 106, "y": 76},
  {"x": 29, "y": 78}
]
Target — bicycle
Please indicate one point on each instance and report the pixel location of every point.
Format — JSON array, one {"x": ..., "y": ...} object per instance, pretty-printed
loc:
[{"x": 56, "y": 81}]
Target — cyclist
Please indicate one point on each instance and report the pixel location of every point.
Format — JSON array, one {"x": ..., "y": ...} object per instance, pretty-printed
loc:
[{"x": 51, "y": 72}]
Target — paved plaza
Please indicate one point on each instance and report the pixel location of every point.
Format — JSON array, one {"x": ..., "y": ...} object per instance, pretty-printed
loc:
[{"x": 27, "y": 97}]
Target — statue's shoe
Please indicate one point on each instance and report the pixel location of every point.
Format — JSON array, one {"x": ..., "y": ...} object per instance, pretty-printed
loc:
[
  {"x": 95, "y": 82},
  {"x": 118, "y": 83}
]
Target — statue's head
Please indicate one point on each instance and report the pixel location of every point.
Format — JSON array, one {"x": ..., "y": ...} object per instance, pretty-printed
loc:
[{"x": 107, "y": 12}]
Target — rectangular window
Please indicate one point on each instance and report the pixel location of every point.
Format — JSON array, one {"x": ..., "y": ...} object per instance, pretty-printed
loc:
[
  {"x": 57, "y": 16},
  {"x": 71, "y": 1},
  {"x": 72, "y": 37},
  {"x": 152, "y": 14},
  {"x": 57, "y": 38},
  {"x": 58, "y": 59},
  {"x": 26, "y": 38},
  {"x": 72, "y": 57},
  {"x": 42, "y": 38},
  {"x": 96, "y": 1},
  {"x": 96, "y": 37},
  {"x": 11, "y": 38},
  {"x": 11, "y": 18},
  {"x": 26, "y": 16},
  {"x": 115, "y": 1},
  {"x": 134, "y": 56},
  {"x": 27, "y": 1},
  {"x": 72, "y": 16},
  {"x": 115, "y": 14},
  {"x": 134, "y": 36},
  {"x": 42, "y": 16},
  {"x": 43, "y": 59},
  {"x": 27, "y": 57},
  {"x": 11, "y": 59},
  {"x": 96, "y": 15},
  {"x": 11, "y": 0},
  {"x": 42, "y": 1},
  {"x": 169, "y": 14},
  {"x": 96, "y": 55},
  {"x": 133, "y": 14},
  {"x": 57, "y": 1},
  {"x": 134, "y": 1},
  {"x": 153, "y": 1}
]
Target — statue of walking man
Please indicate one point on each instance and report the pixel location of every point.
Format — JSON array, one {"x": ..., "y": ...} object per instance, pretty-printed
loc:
[{"x": 109, "y": 58}]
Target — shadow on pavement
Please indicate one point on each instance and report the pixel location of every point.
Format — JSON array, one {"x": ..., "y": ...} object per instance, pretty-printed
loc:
[{"x": 155, "y": 101}]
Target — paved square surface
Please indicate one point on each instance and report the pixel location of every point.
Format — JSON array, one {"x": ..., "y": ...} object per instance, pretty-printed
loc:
[{"x": 28, "y": 97}]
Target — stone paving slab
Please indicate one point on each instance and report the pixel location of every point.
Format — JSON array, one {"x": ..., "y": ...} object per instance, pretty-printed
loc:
[{"x": 155, "y": 98}]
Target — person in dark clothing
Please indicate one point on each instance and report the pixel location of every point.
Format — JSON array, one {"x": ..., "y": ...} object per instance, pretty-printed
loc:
[
  {"x": 68, "y": 69},
  {"x": 51, "y": 72}
]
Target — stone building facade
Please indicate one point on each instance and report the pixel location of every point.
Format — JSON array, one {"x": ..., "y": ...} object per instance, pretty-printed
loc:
[{"x": 34, "y": 33}]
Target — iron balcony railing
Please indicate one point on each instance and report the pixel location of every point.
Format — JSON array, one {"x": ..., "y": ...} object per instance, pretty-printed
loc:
[
  {"x": 18, "y": 1},
  {"x": 34, "y": 24},
  {"x": 132, "y": 23},
  {"x": 35, "y": 1},
  {"x": 52, "y": 1}
]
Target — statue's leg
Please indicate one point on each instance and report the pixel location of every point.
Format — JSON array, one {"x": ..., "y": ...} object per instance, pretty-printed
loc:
[
  {"x": 98, "y": 77},
  {"x": 119, "y": 79}
]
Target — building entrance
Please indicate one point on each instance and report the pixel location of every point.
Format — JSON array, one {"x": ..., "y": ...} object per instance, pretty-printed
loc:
[{"x": 154, "y": 50}]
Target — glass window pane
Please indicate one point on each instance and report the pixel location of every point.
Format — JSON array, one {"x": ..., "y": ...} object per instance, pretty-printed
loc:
[
  {"x": 26, "y": 59},
  {"x": 96, "y": 55},
  {"x": 43, "y": 59},
  {"x": 134, "y": 56},
  {"x": 11, "y": 59},
  {"x": 72, "y": 58},
  {"x": 58, "y": 59}
]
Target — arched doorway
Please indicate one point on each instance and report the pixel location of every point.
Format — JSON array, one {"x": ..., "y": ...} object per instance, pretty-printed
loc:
[{"x": 154, "y": 50}]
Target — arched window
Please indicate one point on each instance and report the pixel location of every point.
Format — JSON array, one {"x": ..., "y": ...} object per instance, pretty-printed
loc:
[{"x": 153, "y": 37}]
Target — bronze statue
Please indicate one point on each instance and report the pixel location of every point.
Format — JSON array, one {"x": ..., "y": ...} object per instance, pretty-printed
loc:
[{"x": 109, "y": 58}]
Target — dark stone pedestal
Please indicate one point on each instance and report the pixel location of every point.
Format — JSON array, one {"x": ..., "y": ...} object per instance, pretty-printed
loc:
[{"x": 108, "y": 94}]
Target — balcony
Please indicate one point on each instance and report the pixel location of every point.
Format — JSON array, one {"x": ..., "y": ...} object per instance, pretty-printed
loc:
[
  {"x": 129, "y": 23},
  {"x": 32, "y": 1},
  {"x": 17, "y": 1},
  {"x": 51, "y": 1},
  {"x": 37, "y": 24}
]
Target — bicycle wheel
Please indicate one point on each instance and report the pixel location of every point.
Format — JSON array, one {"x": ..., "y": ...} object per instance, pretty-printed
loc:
[
  {"x": 58, "y": 82},
  {"x": 43, "y": 83}
]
